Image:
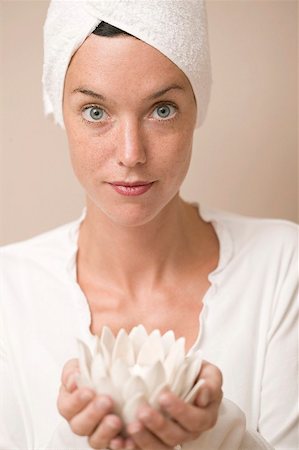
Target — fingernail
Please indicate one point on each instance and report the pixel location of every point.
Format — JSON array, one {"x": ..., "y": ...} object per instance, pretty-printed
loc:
[
  {"x": 72, "y": 381},
  {"x": 144, "y": 413},
  {"x": 102, "y": 403},
  {"x": 86, "y": 395},
  {"x": 113, "y": 423},
  {"x": 135, "y": 427},
  {"x": 165, "y": 400},
  {"x": 204, "y": 397},
  {"x": 130, "y": 445},
  {"x": 115, "y": 445}
]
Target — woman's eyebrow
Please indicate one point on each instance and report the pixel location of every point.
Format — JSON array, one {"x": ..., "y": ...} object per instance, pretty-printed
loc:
[
  {"x": 90, "y": 93},
  {"x": 164, "y": 90},
  {"x": 157, "y": 94}
]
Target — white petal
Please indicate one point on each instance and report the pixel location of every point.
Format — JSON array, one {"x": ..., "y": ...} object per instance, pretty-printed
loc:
[
  {"x": 194, "y": 364},
  {"x": 107, "y": 343},
  {"x": 98, "y": 367},
  {"x": 123, "y": 348},
  {"x": 189, "y": 398},
  {"x": 84, "y": 352},
  {"x": 83, "y": 381},
  {"x": 153, "y": 399},
  {"x": 168, "y": 340},
  {"x": 85, "y": 359},
  {"x": 135, "y": 385},
  {"x": 107, "y": 355},
  {"x": 178, "y": 385},
  {"x": 151, "y": 351},
  {"x": 107, "y": 338},
  {"x": 97, "y": 346},
  {"x": 130, "y": 409},
  {"x": 154, "y": 376},
  {"x": 105, "y": 386},
  {"x": 155, "y": 334},
  {"x": 174, "y": 359},
  {"x": 138, "y": 330},
  {"x": 119, "y": 373},
  {"x": 138, "y": 336}
]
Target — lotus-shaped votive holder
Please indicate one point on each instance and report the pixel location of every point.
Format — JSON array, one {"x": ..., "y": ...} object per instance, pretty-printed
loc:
[{"x": 134, "y": 368}]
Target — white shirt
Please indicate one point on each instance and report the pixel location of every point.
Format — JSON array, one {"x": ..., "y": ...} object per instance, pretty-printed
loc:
[{"x": 248, "y": 328}]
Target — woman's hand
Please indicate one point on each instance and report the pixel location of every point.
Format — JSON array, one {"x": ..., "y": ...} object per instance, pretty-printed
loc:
[
  {"x": 184, "y": 422},
  {"x": 89, "y": 414}
]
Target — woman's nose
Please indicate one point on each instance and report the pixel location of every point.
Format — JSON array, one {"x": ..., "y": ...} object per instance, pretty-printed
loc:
[{"x": 131, "y": 145}]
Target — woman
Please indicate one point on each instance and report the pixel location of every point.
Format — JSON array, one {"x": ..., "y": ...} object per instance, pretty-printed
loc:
[{"x": 140, "y": 254}]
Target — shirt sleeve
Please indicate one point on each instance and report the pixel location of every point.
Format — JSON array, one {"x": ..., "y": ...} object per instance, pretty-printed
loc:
[
  {"x": 279, "y": 412},
  {"x": 12, "y": 428},
  {"x": 278, "y": 423},
  {"x": 63, "y": 438}
]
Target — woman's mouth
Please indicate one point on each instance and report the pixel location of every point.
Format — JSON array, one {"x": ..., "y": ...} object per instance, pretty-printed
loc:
[{"x": 131, "y": 189}]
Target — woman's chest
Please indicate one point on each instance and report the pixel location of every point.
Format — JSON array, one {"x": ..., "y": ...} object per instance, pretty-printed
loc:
[{"x": 176, "y": 309}]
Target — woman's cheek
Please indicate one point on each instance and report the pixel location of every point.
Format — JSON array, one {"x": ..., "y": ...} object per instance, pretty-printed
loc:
[
  {"x": 87, "y": 150},
  {"x": 181, "y": 156},
  {"x": 84, "y": 158}
]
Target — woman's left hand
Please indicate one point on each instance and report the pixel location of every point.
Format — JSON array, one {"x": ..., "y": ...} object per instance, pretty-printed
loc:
[{"x": 184, "y": 422}]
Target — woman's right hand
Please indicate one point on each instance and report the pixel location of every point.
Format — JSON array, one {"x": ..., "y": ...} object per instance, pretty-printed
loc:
[{"x": 89, "y": 414}]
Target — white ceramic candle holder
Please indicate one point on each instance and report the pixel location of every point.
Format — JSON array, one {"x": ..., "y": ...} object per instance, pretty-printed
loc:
[{"x": 134, "y": 368}]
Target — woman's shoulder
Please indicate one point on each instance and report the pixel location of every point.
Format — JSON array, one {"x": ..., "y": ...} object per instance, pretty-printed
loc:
[
  {"x": 269, "y": 244},
  {"x": 43, "y": 249},
  {"x": 244, "y": 229}
]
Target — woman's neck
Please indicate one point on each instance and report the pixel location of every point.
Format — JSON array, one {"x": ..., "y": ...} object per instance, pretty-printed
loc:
[{"x": 128, "y": 257}]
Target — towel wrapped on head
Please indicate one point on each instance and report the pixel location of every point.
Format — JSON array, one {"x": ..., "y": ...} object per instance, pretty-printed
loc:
[{"x": 177, "y": 28}]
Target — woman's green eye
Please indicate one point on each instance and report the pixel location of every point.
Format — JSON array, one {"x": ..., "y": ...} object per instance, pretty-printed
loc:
[
  {"x": 164, "y": 112},
  {"x": 93, "y": 114}
]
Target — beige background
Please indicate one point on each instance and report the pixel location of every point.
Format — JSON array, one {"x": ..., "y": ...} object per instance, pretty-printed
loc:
[{"x": 245, "y": 155}]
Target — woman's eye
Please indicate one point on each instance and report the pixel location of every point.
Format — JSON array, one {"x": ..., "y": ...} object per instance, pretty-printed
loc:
[
  {"x": 94, "y": 114},
  {"x": 164, "y": 112}
]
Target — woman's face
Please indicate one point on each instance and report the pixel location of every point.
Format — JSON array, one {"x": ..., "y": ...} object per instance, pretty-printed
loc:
[{"x": 129, "y": 114}]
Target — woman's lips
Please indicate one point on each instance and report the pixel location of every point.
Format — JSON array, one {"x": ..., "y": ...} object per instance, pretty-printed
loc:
[{"x": 131, "y": 189}]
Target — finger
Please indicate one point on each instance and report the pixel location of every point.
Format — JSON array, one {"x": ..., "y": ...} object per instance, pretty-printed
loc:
[
  {"x": 212, "y": 387},
  {"x": 117, "y": 443},
  {"x": 106, "y": 432},
  {"x": 130, "y": 444},
  {"x": 193, "y": 419},
  {"x": 120, "y": 443},
  {"x": 70, "y": 369},
  {"x": 70, "y": 404},
  {"x": 85, "y": 422},
  {"x": 169, "y": 432},
  {"x": 70, "y": 366},
  {"x": 144, "y": 439}
]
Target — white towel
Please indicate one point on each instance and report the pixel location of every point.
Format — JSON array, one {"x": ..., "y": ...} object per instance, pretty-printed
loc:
[{"x": 177, "y": 28}]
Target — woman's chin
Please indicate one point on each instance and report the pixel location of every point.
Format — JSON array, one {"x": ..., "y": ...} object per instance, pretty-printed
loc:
[
  {"x": 132, "y": 217},
  {"x": 132, "y": 213},
  {"x": 126, "y": 215}
]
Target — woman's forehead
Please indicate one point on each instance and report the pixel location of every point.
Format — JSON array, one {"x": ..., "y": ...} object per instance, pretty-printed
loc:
[{"x": 123, "y": 61}]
